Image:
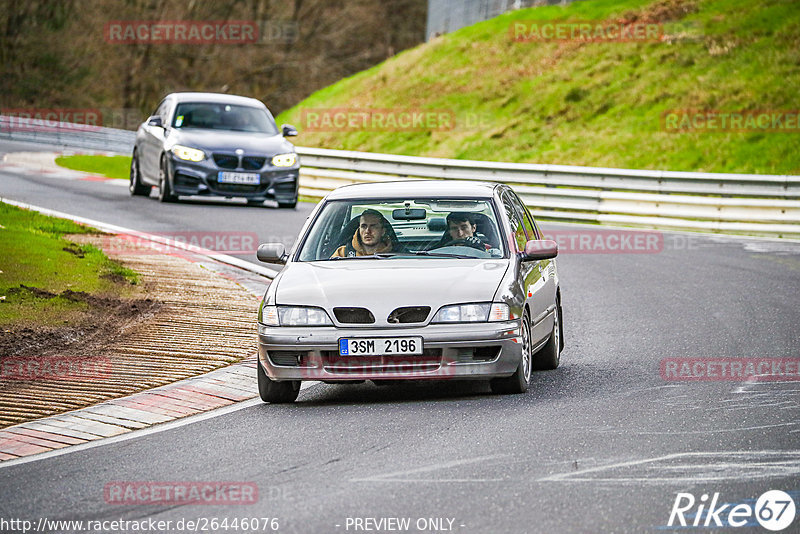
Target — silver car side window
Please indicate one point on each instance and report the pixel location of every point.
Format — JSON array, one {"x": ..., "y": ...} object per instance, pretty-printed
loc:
[
  {"x": 527, "y": 220},
  {"x": 515, "y": 221}
]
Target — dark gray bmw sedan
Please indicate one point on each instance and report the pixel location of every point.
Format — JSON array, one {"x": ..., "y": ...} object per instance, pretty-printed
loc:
[{"x": 215, "y": 145}]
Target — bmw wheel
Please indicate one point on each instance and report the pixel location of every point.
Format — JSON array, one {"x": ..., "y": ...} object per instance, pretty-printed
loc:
[
  {"x": 136, "y": 187},
  {"x": 164, "y": 190},
  {"x": 289, "y": 205}
]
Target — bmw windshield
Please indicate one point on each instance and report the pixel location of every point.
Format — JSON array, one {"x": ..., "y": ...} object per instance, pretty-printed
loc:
[{"x": 229, "y": 117}]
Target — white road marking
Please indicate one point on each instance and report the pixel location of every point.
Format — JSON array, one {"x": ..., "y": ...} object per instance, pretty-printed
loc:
[
  {"x": 400, "y": 476},
  {"x": 737, "y": 429},
  {"x": 783, "y": 464}
]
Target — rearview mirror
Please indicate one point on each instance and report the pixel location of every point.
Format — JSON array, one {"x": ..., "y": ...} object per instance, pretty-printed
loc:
[
  {"x": 288, "y": 130},
  {"x": 155, "y": 120},
  {"x": 271, "y": 253},
  {"x": 408, "y": 214},
  {"x": 540, "y": 249}
]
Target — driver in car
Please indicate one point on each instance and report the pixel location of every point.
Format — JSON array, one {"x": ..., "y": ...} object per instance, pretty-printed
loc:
[
  {"x": 371, "y": 237},
  {"x": 461, "y": 230}
]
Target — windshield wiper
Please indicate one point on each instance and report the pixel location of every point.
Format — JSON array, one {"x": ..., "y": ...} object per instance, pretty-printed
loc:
[
  {"x": 378, "y": 255},
  {"x": 441, "y": 254},
  {"x": 384, "y": 255}
]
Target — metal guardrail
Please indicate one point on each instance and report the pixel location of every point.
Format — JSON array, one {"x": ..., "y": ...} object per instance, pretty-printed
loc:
[
  {"x": 67, "y": 134},
  {"x": 729, "y": 203}
]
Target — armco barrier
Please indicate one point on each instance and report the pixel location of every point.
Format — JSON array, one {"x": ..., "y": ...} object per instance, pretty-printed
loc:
[{"x": 728, "y": 203}]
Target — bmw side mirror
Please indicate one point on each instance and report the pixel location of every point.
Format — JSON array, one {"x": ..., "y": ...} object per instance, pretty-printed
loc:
[
  {"x": 155, "y": 120},
  {"x": 288, "y": 130},
  {"x": 272, "y": 253},
  {"x": 540, "y": 249}
]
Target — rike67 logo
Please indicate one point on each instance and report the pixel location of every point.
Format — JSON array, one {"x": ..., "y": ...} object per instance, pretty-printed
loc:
[{"x": 774, "y": 510}]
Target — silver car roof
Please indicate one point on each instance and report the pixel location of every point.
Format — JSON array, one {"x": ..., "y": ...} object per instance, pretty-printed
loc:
[
  {"x": 216, "y": 98},
  {"x": 414, "y": 188}
]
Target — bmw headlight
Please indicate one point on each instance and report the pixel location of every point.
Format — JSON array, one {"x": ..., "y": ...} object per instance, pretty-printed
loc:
[
  {"x": 294, "y": 316},
  {"x": 188, "y": 154},
  {"x": 284, "y": 160},
  {"x": 473, "y": 313}
]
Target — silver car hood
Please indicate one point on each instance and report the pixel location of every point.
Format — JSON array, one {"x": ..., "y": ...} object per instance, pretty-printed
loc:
[{"x": 381, "y": 285}]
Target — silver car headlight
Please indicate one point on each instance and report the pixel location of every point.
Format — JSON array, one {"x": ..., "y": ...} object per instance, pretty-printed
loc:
[
  {"x": 284, "y": 160},
  {"x": 188, "y": 154},
  {"x": 294, "y": 316},
  {"x": 473, "y": 313}
]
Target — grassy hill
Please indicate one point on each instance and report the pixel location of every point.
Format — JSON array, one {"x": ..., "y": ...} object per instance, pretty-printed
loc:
[{"x": 588, "y": 103}]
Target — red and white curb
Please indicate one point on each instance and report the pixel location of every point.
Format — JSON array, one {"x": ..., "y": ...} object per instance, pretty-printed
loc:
[
  {"x": 44, "y": 163},
  {"x": 191, "y": 396}
]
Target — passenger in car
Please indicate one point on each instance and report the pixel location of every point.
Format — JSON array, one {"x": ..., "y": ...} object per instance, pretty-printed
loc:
[{"x": 372, "y": 236}]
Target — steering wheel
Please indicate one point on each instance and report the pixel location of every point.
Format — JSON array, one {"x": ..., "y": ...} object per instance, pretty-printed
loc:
[{"x": 472, "y": 242}]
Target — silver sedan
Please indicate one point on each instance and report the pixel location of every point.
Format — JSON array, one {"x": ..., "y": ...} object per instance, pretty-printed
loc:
[{"x": 411, "y": 280}]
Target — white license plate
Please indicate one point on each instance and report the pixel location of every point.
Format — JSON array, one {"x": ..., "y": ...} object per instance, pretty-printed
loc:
[
  {"x": 379, "y": 346},
  {"x": 247, "y": 178}
]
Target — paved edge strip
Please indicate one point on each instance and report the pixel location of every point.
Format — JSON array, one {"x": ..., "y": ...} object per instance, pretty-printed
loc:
[{"x": 124, "y": 415}]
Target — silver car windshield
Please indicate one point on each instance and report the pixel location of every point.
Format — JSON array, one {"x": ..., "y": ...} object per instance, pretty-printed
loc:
[
  {"x": 211, "y": 116},
  {"x": 400, "y": 228}
]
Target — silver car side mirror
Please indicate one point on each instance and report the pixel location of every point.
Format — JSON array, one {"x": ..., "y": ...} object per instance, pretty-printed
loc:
[
  {"x": 540, "y": 249},
  {"x": 272, "y": 253}
]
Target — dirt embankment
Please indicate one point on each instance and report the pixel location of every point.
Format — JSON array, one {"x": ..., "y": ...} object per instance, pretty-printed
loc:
[{"x": 187, "y": 320}]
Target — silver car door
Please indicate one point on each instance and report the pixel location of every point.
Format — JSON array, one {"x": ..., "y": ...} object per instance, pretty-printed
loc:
[{"x": 540, "y": 289}]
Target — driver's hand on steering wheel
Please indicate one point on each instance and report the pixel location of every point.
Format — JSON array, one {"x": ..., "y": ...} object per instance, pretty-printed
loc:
[{"x": 470, "y": 241}]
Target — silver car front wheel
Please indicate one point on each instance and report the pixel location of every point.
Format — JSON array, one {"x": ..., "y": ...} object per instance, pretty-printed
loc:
[
  {"x": 518, "y": 382},
  {"x": 549, "y": 356}
]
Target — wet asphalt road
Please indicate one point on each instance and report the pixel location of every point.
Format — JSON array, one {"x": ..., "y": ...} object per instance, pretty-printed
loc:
[{"x": 602, "y": 444}]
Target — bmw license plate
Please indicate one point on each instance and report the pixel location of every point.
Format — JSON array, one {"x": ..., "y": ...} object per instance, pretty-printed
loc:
[
  {"x": 380, "y": 346},
  {"x": 247, "y": 178}
]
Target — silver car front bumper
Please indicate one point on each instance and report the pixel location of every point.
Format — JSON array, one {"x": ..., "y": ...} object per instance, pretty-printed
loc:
[{"x": 460, "y": 351}]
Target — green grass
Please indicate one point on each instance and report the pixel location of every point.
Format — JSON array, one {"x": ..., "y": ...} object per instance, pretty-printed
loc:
[
  {"x": 108, "y": 166},
  {"x": 32, "y": 254},
  {"x": 596, "y": 104}
]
